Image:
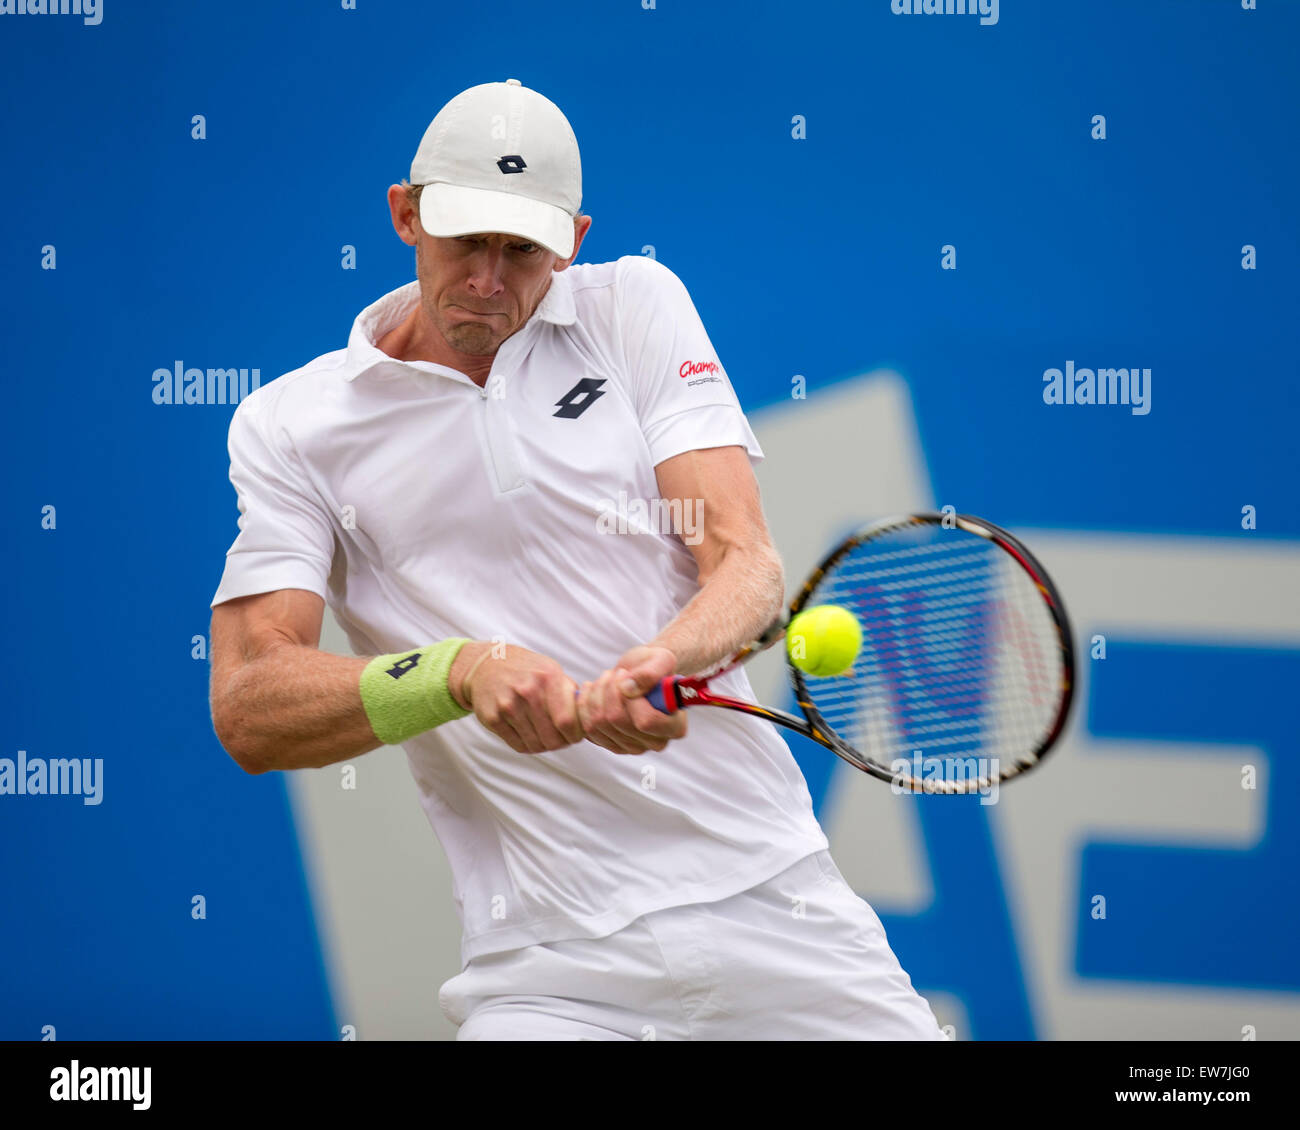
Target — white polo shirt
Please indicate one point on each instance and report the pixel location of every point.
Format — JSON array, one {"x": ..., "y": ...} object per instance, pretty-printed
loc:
[{"x": 420, "y": 506}]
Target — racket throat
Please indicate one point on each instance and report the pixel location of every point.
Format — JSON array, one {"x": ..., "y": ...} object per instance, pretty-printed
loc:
[
  {"x": 680, "y": 693},
  {"x": 675, "y": 693}
]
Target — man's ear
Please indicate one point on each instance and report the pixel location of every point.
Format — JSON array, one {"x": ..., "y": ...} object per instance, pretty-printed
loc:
[
  {"x": 406, "y": 219},
  {"x": 581, "y": 226}
]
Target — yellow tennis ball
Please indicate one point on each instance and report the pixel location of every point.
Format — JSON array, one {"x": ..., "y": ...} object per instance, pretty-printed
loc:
[{"x": 823, "y": 640}]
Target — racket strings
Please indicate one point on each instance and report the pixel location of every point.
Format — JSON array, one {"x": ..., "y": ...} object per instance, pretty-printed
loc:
[{"x": 960, "y": 654}]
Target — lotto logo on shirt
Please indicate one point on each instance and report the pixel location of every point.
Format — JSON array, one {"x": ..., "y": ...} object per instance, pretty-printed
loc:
[{"x": 694, "y": 368}]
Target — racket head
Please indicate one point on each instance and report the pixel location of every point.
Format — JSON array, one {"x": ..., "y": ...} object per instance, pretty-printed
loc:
[{"x": 965, "y": 677}]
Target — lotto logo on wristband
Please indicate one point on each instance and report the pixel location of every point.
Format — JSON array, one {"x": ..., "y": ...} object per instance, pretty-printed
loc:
[
  {"x": 402, "y": 666},
  {"x": 399, "y": 708}
]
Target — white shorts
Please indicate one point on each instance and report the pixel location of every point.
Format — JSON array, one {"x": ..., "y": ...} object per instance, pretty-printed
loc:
[{"x": 799, "y": 957}]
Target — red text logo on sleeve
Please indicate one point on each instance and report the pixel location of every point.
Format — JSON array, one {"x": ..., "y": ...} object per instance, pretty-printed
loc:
[{"x": 694, "y": 368}]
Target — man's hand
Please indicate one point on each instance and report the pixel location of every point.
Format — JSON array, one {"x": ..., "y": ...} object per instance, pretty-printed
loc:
[
  {"x": 613, "y": 710},
  {"x": 524, "y": 698}
]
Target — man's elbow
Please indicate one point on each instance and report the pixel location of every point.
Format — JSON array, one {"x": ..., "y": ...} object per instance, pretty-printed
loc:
[
  {"x": 237, "y": 740},
  {"x": 774, "y": 575},
  {"x": 763, "y": 564},
  {"x": 760, "y": 564},
  {"x": 775, "y": 569}
]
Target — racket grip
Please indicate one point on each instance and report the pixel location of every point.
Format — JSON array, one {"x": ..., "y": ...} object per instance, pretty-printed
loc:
[{"x": 664, "y": 697}]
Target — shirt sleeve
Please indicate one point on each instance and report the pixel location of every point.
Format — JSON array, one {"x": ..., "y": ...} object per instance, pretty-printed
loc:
[
  {"x": 286, "y": 536},
  {"x": 682, "y": 394}
]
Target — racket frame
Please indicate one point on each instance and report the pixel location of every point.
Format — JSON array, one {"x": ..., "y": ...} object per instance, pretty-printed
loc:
[
  {"x": 678, "y": 692},
  {"x": 816, "y": 725}
]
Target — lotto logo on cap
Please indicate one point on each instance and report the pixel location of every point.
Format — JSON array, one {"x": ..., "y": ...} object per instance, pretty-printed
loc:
[{"x": 500, "y": 158}]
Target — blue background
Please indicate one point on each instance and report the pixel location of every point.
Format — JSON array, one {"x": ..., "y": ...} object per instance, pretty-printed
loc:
[{"x": 818, "y": 257}]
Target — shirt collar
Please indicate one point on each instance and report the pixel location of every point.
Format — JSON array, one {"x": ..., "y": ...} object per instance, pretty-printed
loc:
[{"x": 557, "y": 307}]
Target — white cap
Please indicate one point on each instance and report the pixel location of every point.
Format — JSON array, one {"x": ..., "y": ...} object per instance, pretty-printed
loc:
[{"x": 500, "y": 158}]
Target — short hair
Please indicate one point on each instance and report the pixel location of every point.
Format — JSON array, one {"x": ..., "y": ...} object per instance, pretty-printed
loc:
[{"x": 413, "y": 195}]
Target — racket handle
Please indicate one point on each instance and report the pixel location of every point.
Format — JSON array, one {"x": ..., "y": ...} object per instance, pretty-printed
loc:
[{"x": 664, "y": 697}]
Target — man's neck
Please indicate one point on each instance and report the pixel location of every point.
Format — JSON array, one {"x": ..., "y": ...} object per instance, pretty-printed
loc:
[
  {"x": 413, "y": 339},
  {"x": 417, "y": 339}
]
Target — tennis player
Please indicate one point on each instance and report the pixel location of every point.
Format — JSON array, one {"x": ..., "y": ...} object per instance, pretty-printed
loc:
[{"x": 525, "y": 489}]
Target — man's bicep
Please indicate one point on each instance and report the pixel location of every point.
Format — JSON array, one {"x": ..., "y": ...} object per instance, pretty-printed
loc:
[
  {"x": 243, "y": 630},
  {"x": 247, "y": 627},
  {"x": 716, "y": 495}
]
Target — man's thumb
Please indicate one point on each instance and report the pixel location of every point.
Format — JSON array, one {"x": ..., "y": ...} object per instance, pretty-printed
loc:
[{"x": 637, "y": 680}]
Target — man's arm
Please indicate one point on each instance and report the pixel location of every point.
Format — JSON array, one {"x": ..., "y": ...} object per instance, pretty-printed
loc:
[
  {"x": 278, "y": 702},
  {"x": 742, "y": 588},
  {"x": 742, "y": 584}
]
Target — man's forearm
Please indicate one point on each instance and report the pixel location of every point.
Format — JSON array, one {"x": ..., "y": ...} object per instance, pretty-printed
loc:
[
  {"x": 736, "y": 604},
  {"x": 293, "y": 707},
  {"x": 296, "y": 707}
]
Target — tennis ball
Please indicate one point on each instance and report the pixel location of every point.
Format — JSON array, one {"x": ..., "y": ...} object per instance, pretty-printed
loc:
[{"x": 823, "y": 640}]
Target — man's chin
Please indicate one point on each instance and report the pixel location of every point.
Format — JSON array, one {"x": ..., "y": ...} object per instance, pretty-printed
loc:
[{"x": 473, "y": 340}]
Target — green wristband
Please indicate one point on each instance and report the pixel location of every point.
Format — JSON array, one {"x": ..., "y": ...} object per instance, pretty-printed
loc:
[{"x": 406, "y": 694}]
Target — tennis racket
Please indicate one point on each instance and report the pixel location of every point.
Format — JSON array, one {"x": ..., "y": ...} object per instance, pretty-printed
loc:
[{"x": 965, "y": 675}]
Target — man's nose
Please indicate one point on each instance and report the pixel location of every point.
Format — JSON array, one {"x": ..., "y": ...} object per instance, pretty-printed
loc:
[{"x": 485, "y": 273}]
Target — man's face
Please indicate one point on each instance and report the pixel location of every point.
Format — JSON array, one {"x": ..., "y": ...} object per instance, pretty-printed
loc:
[{"x": 479, "y": 289}]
